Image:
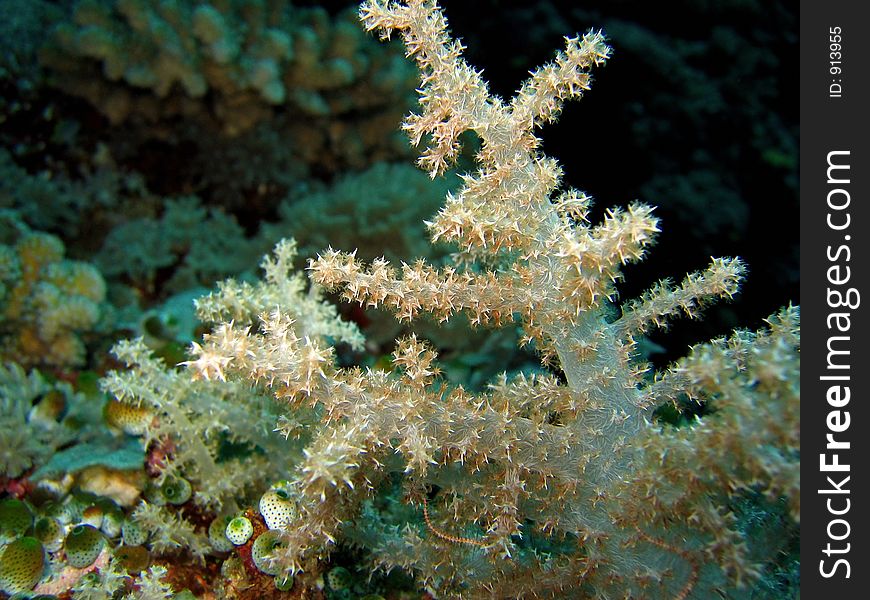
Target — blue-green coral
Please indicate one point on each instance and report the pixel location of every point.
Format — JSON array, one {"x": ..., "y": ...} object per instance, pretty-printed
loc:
[
  {"x": 200, "y": 245},
  {"x": 28, "y": 438}
]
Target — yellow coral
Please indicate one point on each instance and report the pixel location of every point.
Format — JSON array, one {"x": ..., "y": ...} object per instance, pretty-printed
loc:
[
  {"x": 77, "y": 279},
  {"x": 36, "y": 250},
  {"x": 49, "y": 300},
  {"x": 124, "y": 487},
  {"x": 127, "y": 417}
]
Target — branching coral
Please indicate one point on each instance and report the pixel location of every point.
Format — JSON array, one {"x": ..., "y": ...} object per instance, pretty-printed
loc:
[
  {"x": 282, "y": 292},
  {"x": 544, "y": 485},
  {"x": 194, "y": 418},
  {"x": 218, "y": 433}
]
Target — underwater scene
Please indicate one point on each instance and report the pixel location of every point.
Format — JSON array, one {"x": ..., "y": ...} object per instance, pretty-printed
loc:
[{"x": 403, "y": 300}]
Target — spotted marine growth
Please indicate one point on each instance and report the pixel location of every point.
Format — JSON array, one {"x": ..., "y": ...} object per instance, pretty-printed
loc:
[
  {"x": 49, "y": 532},
  {"x": 93, "y": 516},
  {"x": 132, "y": 533},
  {"x": 113, "y": 520},
  {"x": 176, "y": 490},
  {"x": 128, "y": 417},
  {"x": 262, "y": 549},
  {"x": 277, "y": 508},
  {"x": 338, "y": 579},
  {"x": 15, "y": 519},
  {"x": 239, "y": 530},
  {"x": 21, "y": 565},
  {"x": 284, "y": 584},
  {"x": 134, "y": 559},
  {"x": 83, "y": 545},
  {"x": 217, "y": 533}
]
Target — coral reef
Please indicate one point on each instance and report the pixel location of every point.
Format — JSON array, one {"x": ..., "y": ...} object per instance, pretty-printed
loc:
[{"x": 579, "y": 464}]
